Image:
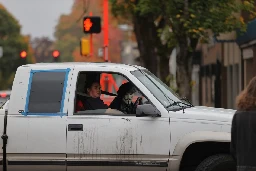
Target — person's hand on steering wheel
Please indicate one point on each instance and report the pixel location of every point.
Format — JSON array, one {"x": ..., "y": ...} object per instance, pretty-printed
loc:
[{"x": 136, "y": 103}]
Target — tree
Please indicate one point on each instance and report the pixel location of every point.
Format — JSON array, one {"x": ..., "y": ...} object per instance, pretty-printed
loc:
[
  {"x": 69, "y": 31},
  {"x": 13, "y": 43},
  {"x": 184, "y": 23},
  {"x": 31, "y": 54},
  {"x": 43, "y": 48},
  {"x": 154, "y": 52}
]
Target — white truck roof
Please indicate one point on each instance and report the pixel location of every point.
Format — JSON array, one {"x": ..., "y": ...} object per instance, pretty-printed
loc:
[{"x": 72, "y": 65}]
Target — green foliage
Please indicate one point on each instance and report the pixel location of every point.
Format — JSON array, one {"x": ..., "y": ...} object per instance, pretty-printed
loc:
[
  {"x": 217, "y": 16},
  {"x": 124, "y": 8},
  {"x": 13, "y": 43},
  {"x": 128, "y": 8},
  {"x": 191, "y": 22},
  {"x": 146, "y": 7}
]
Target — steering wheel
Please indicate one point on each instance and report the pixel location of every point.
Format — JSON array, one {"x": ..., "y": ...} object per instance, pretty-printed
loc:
[{"x": 136, "y": 103}]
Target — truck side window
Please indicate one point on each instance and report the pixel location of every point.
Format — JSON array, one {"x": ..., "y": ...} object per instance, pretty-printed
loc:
[
  {"x": 115, "y": 100},
  {"x": 46, "y": 92}
]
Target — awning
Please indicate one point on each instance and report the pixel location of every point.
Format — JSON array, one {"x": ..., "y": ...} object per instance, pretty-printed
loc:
[{"x": 249, "y": 35}]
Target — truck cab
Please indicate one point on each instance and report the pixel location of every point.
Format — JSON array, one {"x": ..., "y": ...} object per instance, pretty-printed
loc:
[{"x": 46, "y": 132}]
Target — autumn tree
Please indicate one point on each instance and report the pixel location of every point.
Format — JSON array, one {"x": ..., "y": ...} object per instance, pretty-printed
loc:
[
  {"x": 180, "y": 23},
  {"x": 43, "y": 48},
  {"x": 12, "y": 43},
  {"x": 31, "y": 53},
  {"x": 69, "y": 31}
]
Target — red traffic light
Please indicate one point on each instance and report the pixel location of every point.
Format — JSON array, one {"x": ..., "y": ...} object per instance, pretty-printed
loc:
[
  {"x": 87, "y": 24},
  {"x": 23, "y": 54},
  {"x": 55, "y": 53},
  {"x": 92, "y": 24}
]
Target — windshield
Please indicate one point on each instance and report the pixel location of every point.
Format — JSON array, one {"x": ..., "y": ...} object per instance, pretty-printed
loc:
[{"x": 160, "y": 90}]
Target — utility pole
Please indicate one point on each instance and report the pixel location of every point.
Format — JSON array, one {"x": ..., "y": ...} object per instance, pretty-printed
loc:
[
  {"x": 91, "y": 48},
  {"x": 105, "y": 18}
]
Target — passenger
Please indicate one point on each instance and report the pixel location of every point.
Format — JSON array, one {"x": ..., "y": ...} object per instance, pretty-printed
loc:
[
  {"x": 91, "y": 100},
  {"x": 123, "y": 101}
]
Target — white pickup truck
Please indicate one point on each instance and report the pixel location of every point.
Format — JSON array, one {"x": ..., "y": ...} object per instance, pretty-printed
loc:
[{"x": 167, "y": 133}]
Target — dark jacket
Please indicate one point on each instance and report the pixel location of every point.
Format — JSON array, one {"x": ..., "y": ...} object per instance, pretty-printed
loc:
[
  {"x": 89, "y": 103},
  {"x": 120, "y": 105},
  {"x": 243, "y": 140}
]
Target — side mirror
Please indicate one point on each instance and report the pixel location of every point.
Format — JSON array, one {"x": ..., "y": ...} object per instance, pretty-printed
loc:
[{"x": 147, "y": 110}]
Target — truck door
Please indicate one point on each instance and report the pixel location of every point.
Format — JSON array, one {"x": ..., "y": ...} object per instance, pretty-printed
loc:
[
  {"x": 101, "y": 141},
  {"x": 37, "y": 130}
]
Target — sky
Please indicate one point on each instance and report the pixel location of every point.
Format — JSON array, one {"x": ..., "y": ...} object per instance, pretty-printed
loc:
[{"x": 38, "y": 17}]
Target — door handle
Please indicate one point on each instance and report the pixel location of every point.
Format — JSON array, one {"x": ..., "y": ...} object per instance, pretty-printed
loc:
[{"x": 75, "y": 127}]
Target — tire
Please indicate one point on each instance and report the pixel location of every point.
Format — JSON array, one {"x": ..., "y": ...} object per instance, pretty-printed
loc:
[{"x": 220, "y": 162}]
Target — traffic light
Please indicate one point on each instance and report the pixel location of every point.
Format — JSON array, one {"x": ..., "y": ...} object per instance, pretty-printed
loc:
[
  {"x": 84, "y": 47},
  {"x": 23, "y": 54},
  {"x": 92, "y": 25},
  {"x": 56, "y": 55}
]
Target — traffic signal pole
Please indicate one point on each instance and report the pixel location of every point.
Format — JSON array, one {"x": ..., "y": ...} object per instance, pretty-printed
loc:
[
  {"x": 105, "y": 19},
  {"x": 108, "y": 79},
  {"x": 91, "y": 48}
]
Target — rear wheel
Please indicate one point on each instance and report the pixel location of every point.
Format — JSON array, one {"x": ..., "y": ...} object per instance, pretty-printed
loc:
[{"x": 220, "y": 162}]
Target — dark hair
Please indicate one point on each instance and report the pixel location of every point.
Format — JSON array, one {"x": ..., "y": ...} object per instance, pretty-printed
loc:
[
  {"x": 124, "y": 88},
  {"x": 247, "y": 98},
  {"x": 88, "y": 84}
]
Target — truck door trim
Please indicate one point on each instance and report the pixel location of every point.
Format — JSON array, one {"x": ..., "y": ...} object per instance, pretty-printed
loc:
[
  {"x": 119, "y": 163},
  {"x": 92, "y": 163},
  {"x": 41, "y": 162},
  {"x": 61, "y": 113}
]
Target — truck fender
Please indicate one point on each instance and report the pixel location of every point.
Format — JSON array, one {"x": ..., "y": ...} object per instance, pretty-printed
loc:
[
  {"x": 200, "y": 136},
  {"x": 193, "y": 137}
]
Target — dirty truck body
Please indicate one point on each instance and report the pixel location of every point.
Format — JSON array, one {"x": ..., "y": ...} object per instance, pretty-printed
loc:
[{"x": 44, "y": 132}]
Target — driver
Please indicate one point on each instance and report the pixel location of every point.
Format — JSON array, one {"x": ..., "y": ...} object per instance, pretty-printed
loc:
[{"x": 123, "y": 101}]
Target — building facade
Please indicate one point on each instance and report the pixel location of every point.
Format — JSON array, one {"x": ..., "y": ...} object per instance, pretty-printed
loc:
[
  {"x": 220, "y": 72},
  {"x": 247, "y": 44}
]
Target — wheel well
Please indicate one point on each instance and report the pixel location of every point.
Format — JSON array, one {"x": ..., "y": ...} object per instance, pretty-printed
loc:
[{"x": 197, "y": 152}]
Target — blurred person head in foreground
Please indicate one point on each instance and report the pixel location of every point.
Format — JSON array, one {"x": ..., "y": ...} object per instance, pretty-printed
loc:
[
  {"x": 246, "y": 101},
  {"x": 243, "y": 129}
]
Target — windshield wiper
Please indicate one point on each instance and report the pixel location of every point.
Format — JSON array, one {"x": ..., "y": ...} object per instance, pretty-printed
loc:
[
  {"x": 186, "y": 99},
  {"x": 178, "y": 104}
]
